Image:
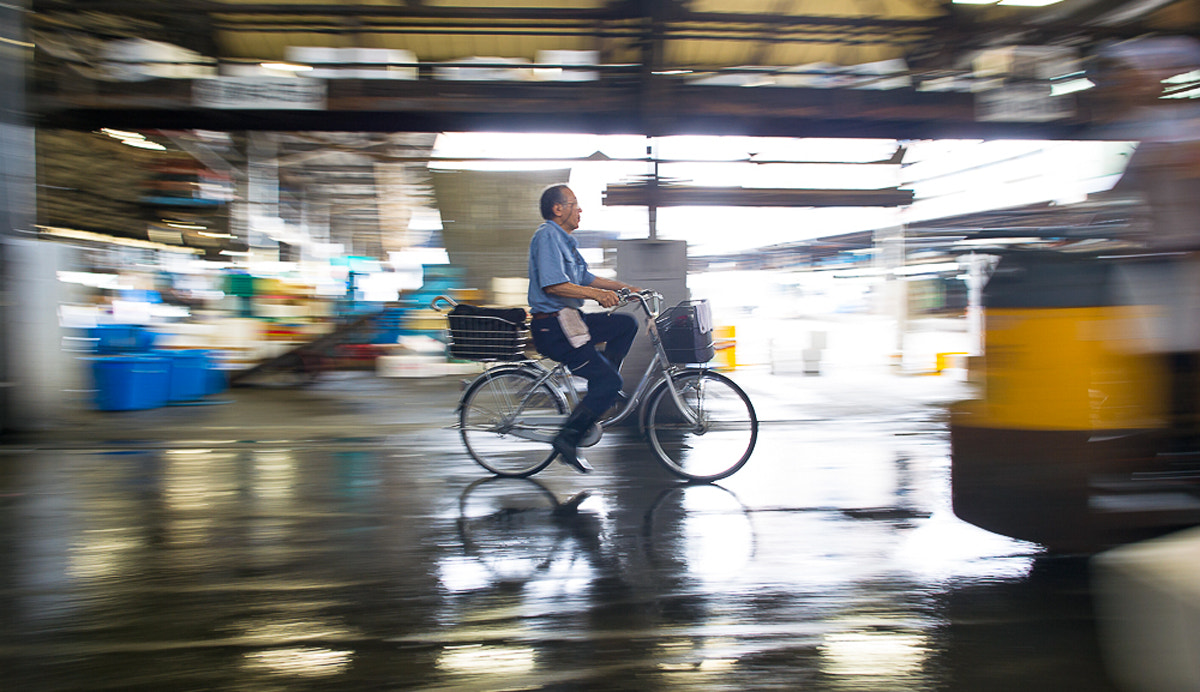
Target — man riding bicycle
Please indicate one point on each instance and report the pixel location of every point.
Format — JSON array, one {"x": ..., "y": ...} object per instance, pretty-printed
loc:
[{"x": 559, "y": 282}]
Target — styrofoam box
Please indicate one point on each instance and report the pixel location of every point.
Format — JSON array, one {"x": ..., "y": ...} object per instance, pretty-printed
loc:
[{"x": 410, "y": 366}]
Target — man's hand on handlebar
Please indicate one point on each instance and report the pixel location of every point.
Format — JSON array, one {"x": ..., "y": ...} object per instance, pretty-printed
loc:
[
  {"x": 642, "y": 295},
  {"x": 606, "y": 298}
]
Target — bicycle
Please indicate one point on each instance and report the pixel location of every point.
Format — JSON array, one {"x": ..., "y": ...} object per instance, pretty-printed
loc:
[
  {"x": 517, "y": 529},
  {"x": 699, "y": 423}
]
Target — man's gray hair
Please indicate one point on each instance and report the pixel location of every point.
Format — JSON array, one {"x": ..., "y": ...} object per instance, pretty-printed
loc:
[{"x": 551, "y": 196}]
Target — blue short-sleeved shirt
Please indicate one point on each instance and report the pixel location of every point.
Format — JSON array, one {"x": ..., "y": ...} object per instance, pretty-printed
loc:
[{"x": 553, "y": 259}]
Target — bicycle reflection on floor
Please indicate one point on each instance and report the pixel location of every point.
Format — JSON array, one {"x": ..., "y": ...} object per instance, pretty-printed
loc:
[{"x": 519, "y": 532}]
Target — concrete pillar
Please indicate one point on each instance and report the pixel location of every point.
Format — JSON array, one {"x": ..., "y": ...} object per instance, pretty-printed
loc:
[
  {"x": 657, "y": 264},
  {"x": 889, "y": 258},
  {"x": 45, "y": 382},
  {"x": 488, "y": 218},
  {"x": 17, "y": 213}
]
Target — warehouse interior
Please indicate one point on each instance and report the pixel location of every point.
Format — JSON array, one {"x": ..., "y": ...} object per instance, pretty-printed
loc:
[{"x": 302, "y": 132}]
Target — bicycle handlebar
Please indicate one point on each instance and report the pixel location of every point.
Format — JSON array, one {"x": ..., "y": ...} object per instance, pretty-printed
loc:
[{"x": 646, "y": 298}]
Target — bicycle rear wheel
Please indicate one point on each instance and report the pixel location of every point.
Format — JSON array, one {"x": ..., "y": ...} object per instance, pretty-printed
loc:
[
  {"x": 720, "y": 442},
  {"x": 499, "y": 404}
]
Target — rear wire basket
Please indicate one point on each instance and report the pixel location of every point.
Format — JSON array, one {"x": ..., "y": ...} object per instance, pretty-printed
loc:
[{"x": 486, "y": 338}]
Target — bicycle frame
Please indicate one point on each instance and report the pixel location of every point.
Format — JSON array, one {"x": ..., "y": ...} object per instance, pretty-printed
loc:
[
  {"x": 559, "y": 378},
  {"x": 659, "y": 362}
]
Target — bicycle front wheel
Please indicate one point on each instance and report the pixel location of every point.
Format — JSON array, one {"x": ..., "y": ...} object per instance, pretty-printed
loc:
[
  {"x": 500, "y": 413},
  {"x": 718, "y": 443}
]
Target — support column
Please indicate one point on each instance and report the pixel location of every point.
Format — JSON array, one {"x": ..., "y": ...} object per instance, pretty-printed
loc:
[
  {"x": 889, "y": 259},
  {"x": 35, "y": 374},
  {"x": 658, "y": 264}
]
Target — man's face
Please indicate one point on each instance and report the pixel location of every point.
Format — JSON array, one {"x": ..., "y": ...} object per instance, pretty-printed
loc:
[{"x": 568, "y": 211}]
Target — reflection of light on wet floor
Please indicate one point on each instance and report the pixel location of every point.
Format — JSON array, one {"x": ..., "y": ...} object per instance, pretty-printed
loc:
[
  {"x": 274, "y": 475},
  {"x": 458, "y": 574},
  {"x": 718, "y": 544},
  {"x": 681, "y": 660},
  {"x": 945, "y": 547},
  {"x": 189, "y": 481},
  {"x": 492, "y": 660},
  {"x": 567, "y": 576},
  {"x": 300, "y": 661},
  {"x": 708, "y": 665},
  {"x": 104, "y": 553},
  {"x": 714, "y": 530},
  {"x": 874, "y": 653},
  {"x": 273, "y": 630}
]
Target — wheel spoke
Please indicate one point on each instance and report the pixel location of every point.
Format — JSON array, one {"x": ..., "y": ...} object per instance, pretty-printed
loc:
[
  {"x": 723, "y": 438},
  {"x": 493, "y": 407}
]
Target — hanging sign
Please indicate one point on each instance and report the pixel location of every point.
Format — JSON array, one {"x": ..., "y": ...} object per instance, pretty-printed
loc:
[
  {"x": 1029, "y": 103},
  {"x": 259, "y": 93}
]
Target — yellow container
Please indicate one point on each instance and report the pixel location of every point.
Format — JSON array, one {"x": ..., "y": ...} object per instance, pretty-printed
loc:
[
  {"x": 1066, "y": 369},
  {"x": 948, "y": 359},
  {"x": 725, "y": 343}
]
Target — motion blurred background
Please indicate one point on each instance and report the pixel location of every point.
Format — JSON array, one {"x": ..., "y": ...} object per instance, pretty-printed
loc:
[
  {"x": 250, "y": 177},
  {"x": 198, "y": 194}
]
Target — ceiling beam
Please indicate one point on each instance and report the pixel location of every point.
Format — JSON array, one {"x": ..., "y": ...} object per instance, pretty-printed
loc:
[
  {"x": 639, "y": 195},
  {"x": 611, "y": 108}
]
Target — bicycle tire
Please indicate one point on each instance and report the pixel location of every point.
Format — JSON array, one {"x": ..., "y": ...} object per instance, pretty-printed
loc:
[
  {"x": 486, "y": 415},
  {"x": 507, "y": 526},
  {"x": 720, "y": 444}
]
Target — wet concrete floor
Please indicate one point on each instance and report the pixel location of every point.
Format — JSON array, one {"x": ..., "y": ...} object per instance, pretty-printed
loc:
[{"x": 338, "y": 537}]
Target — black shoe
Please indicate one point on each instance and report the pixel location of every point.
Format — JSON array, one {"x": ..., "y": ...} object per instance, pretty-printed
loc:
[
  {"x": 568, "y": 453},
  {"x": 566, "y": 442}
]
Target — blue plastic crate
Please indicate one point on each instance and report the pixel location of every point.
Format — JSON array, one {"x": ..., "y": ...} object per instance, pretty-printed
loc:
[
  {"x": 188, "y": 378},
  {"x": 122, "y": 338},
  {"x": 131, "y": 382}
]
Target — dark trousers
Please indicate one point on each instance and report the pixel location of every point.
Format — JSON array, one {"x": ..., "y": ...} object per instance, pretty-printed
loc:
[{"x": 601, "y": 369}]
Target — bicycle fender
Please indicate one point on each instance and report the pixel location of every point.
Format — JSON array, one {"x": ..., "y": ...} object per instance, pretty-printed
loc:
[
  {"x": 644, "y": 411},
  {"x": 488, "y": 374}
]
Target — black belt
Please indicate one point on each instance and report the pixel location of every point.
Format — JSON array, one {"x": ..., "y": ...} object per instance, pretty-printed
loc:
[{"x": 543, "y": 315}]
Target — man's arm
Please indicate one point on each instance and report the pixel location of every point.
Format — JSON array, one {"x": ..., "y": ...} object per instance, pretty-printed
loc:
[
  {"x": 600, "y": 290},
  {"x": 611, "y": 284}
]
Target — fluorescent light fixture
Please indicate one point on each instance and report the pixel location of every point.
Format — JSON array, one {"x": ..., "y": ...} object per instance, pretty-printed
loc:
[
  {"x": 1182, "y": 86},
  {"x": 144, "y": 144},
  {"x": 207, "y": 234},
  {"x": 285, "y": 66},
  {"x": 186, "y": 226},
  {"x": 1193, "y": 76},
  {"x": 1189, "y": 93},
  {"x": 133, "y": 139},
  {"x": 121, "y": 134},
  {"x": 934, "y": 268},
  {"x": 1028, "y": 3},
  {"x": 1070, "y": 86}
]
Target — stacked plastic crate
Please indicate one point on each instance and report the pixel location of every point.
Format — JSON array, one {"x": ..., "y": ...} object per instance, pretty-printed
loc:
[{"x": 129, "y": 374}]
